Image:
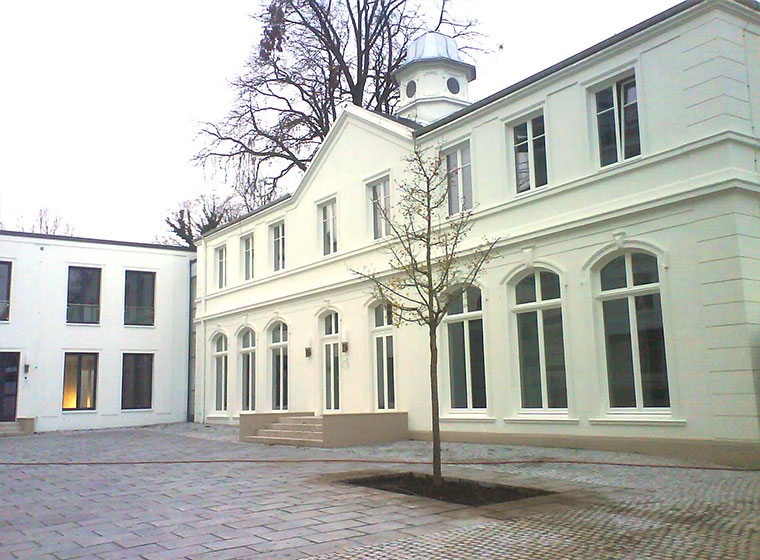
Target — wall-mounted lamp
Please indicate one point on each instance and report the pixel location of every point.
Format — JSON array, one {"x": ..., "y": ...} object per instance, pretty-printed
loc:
[
  {"x": 344, "y": 342},
  {"x": 308, "y": 348}
]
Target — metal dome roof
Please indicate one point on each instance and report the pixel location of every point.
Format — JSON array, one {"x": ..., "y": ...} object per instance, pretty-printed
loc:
[{"x": 432, "y": 45}]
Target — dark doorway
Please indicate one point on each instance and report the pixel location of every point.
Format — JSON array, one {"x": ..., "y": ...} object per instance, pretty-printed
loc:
[{"x": 9, "y": 363}]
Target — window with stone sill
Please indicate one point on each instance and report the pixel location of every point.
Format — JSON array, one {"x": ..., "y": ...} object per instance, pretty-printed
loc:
[{"x": 617, "y": 121}]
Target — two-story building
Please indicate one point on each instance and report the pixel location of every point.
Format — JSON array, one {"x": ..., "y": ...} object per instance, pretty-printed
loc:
[
  {"x": 93, "y": 333},
  {"x": 622, "y": 308}
]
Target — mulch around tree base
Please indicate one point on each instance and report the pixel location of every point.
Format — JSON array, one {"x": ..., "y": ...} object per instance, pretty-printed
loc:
[{"x": 452, "y": 490}]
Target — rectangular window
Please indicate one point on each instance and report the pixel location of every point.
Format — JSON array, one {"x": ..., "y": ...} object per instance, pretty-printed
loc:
[
  {"x": 83, "y": 295},
  {"x": 5, "y": 290},
  {"x": 247, "y": 243},
  {"x": 139, "y": 296},
  {"x": 80, "y": 374},
  {"x": 380, "y": 195},
  {"x": 220, "y": 256},
  {"x": 458, "y": 168},
  {"x": 530, "y": 154},
  {"x": 278, "y": 245},
  {"x": 329, "y": 228},
  {"x": 137, "y": 381},
  {"x": 617, "y": 120}
]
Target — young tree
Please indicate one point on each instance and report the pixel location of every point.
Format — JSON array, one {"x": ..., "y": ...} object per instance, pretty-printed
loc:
[{"x": 429, "y": 263}]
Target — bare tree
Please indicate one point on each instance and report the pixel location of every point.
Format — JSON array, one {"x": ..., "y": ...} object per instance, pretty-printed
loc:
[
  {"x": 429, "y": 266},
  {"x": 313, "y": 57},
  {"x": 195, "y": 217},
  {"x": 47, "y": 223}
]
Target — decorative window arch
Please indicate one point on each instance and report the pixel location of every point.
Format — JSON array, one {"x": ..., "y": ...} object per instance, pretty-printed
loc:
[
  {"x": 464, "y": 329},
  {"x": 538, "y": 316},
  {"x": 220, "y": 372},
  {"x": 278, "y": 353},
  {"x": 330, "y": 331},
  {"x": 382, "y": 336},
  {"x": 248, "y": 368},
  {"x": 634, "y": 339}
]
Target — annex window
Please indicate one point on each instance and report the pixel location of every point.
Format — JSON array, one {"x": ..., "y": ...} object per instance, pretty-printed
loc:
[
  {"x": 329, "y": 227},
  {"x": 220, "y": 258},
  {"x": 5, "y": 290},
  {"x": 541, "y": 350},
  {"x": 278, "y": 349},
  {"x": 83, "y": 295},
  {"x": 458, "y": 169},
  {"x": 331, "y": 347},
  {"x": 529, "y": 141},
  {"x": 278, "y": 246},
  {"x": 247, "y": 248},
  {"x": 136, "y": 381},
  {"x": 80, "y": 373},
  {"x": 382, "y": 335},
  {"x": 467, "y": 372},
  {"x": 617, "y": 121},
  {"x": 634, "y": 339},
  {"x": 139, "y": 297},
  {"x": 220, "y": 373},
  {"x": 248, "y": 369},
  {"x": 380, "y": 196}
]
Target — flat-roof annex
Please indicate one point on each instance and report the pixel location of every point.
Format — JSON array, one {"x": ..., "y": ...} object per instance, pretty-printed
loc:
[{"x": 74, "y": 239}]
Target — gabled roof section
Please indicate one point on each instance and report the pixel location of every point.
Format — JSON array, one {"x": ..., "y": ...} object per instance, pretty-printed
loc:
[{"x": 587, "y": 53}]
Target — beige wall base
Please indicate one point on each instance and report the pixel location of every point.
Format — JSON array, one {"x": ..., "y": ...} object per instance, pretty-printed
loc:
[
  {"x": 343, "y": 430},
  {"x": 252, "y": 422},
  {"x": 26, "y": 424},
  {"x": 744, "y": 454}
]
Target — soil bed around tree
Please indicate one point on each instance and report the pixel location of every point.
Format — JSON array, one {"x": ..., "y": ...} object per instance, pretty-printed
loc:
[{"x": 452, "y": 490}]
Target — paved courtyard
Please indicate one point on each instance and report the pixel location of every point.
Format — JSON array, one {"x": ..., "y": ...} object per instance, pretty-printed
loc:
[{"x": 232, "y": 508}]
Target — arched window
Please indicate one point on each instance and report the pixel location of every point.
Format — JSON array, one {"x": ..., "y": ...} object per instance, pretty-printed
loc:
[
  {"x": 634, "y": 339},
  {"x": 278, "y": 349},
  {"x": 220, "y": 372},
  {"x": 331, "y": 346},
  {"x": 467, "y": 372},
  {"x": 541, "y": 350},
  {"x": 248, "y": 369},
  {"x": 382, "y": 334}
]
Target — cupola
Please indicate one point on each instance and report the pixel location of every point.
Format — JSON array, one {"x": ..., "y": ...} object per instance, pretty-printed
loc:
[{"x": 433, "y": 79}]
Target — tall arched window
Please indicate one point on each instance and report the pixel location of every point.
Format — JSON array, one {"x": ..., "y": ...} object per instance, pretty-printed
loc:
[
  {"x": 278, "y": 349},
  {"x": 382, "y": 334},
  {"x": 538, "y": 312},
  {"x": 637, "y": 373},
  {"x": 220, "y": 372},
  {"x": 248, "y": 369},
  {"x": 467, "y": 372},
  {"x": 331, "y": 346}
]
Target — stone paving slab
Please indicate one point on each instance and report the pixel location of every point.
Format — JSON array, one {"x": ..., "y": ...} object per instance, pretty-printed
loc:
[{"x": 295, "y": 510}]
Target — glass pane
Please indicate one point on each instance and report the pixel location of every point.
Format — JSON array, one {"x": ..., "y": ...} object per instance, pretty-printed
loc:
[
  {"x": 391, "y": 372},
  {"x": 86, "y": 393},
  {"x": 539, "y": 161},
  {"x": 554, "y": 357},
  {"x": 457, "y": 371},
  {"x": 328, "y": 376},
  {"x": 453, "y": 173},
  {"x": 379, "y": 359},
  {"x": 128, "y": 382},
  {"x": 644, "y": 269},
  {"x": 613, "y": 274},
  {"x": 220, "y": 383},
  {"x": 604, "y": 100},
  {"x": 530, "y": 368},
  {"x": 285, "y": 377},
  {"x": 336, "y": 376},
  {"x": 328, "y": 324},
  {"x": 629, "y": 92},
  {"x": 522, "y": 168},
  {"x": 525, "y": 291},
  {"x": 607, "y": 137},
  {"x": 632, "y": 145},
  {"x": 455, "y": 304},
  {"x": 617, "y": 336},
  {"x": 377, "y": 215},
  {"x": 246, "y": 381},
  {"x": 70, "y": 381},
  {"x": 276, "y": 335},
  {"x": 521, "y": 133},
  {"x": 379, "y": 318},
  {"x": 284, "y": 331},
  {"x": 549, "y": 285},
  {"x": 538, "y": 126},
  {"x": 474, "y": 302},
  {"x": 276, "y": 378},
  {"x": 477, "y": 364},
  {"x": 5, "y": 281},
  {"x": 654, "y": 370},
  {"x": 467, "y": 200}
]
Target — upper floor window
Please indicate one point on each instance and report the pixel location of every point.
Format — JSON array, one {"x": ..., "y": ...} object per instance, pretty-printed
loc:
[
  {"x": 530, "y": 154},
  {"x": 139, "y": 296},
  {"x": 220, "y": 257},
  {"x": 278, "y": 245},
  {"x": 634, "y": 339},
  {"x": 617, "y": 120},
  {"x": 329, "y": 228},
  {"x": 247, "y": 247},
  {"x": 380, "y": 195},
  {"x": 467, "y": 371},
  {"x": 538, "y": 311},
  {"x": 459, "y": 173},
  {"x": 83, "y": 295},
  {"x": 5, "y": 290}
]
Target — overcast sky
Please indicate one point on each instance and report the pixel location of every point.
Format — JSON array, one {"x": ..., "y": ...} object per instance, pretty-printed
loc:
[{"x": 100, "y": 100}]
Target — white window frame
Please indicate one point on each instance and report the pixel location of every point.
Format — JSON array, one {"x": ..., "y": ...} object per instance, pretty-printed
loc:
[
  {"x": 383, "y": 332},
  {"x": 248, "y": 353},
  {"x": 277, "y": 235},
  {"x": 330, "y": 359},
  {"x": 457, "y": 175},
  {"x": 530, "y": 143},
  {"x": 284, "y": 372},
  {"x": 328, "y": 226},
  {"x": 615, "y": 84},
  {"x": 220, "y": 266},
  {"x": 247, "y": 256},
  {"x": 221, "y": 368},
  {"x": 379, "y": 193}
]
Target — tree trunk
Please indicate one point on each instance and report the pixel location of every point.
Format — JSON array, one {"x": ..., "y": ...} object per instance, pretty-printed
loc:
[{"x": 437, "y": 480}]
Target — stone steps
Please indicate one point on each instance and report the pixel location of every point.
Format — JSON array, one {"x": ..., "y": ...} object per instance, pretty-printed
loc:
[
  {"x": 291, "y": 430},
  {"x": 10, "y": 429}
]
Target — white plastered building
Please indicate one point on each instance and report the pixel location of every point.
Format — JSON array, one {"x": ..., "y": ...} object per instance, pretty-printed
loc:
[{"x": 622, "y": 310}]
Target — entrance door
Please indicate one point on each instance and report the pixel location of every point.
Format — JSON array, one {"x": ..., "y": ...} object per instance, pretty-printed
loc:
[{"x": 9, "y": 364}]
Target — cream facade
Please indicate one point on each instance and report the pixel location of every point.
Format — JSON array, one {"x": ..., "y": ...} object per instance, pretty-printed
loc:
[
  {"x": 93, "y": 334},
  {"x": 622, "y": 310}
]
